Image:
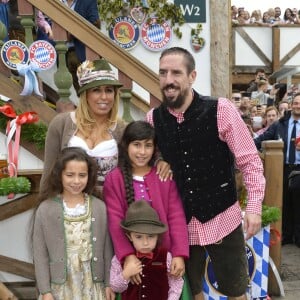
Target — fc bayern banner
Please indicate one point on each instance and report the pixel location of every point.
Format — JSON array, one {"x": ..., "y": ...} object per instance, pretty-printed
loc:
[{"x": 257, "y": 251}]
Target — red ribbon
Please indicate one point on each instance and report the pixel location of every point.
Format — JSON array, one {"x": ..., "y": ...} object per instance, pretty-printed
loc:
[
  {"x": 8, "y": 111},
  {"x": 13, "y": 129},
  {"x": 28, "y": 117}
]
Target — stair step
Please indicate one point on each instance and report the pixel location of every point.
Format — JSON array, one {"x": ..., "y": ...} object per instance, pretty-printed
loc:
[{"x": 23, "y": 290}]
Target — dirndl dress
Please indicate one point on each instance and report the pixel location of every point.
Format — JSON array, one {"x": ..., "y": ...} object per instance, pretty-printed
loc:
[{"x": 79, "y": 284}]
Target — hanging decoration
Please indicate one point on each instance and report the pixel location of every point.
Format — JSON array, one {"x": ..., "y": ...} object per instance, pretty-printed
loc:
[
  {"x": 197, "y": 42},
  {"x": 41, "y": 55},
  {"x": 155, "y": 36},
  {"x": 14, "y": 52},
  {"x": 13, "y": 132},
  {"x": 30, "y": 80},
  {"x": 125, "y": 32}
]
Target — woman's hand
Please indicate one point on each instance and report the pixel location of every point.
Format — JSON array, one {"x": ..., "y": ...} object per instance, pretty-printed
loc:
[
  {"x": 129, "y": 260},
  {"x": 164, "y": 170},
  {"x": 177, "y": 268}
]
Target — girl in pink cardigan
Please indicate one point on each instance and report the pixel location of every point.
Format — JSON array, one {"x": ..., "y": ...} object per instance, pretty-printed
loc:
[{"x": 136, "y": 178}]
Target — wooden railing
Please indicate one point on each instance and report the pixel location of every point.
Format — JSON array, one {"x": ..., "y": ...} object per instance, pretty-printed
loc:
[
  {"x": 65, "y": 20},
  {"x": 273, "y": 170},
  {"x": 273, "y": 47}
]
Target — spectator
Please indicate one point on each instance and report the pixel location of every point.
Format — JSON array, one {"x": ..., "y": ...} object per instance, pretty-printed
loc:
[
  {"x": 259, "y": 75},
  {"x": 247, "y": 17},
  {"x": 283, "y": 107},
  {"x": 245, "y": 104},
  {"x": 289, "y": 17},
  {"x": 241, "y": 17},
  {"x": 256, "y": 17},
  {"x": 277, "y": 14},
  {"x": 271, "y": 12},
  {"x": 283, "y": 129},
  {"x": 4, "y": 18},
  {"x": 266, "y": 18},
  {"x": 236, "y": 98},
  {"x": 270, "y": 116},
  {"x": 253, "y": 111},
  {"x": 261, "y": 96},
  {"x": 234, "y": 14}
]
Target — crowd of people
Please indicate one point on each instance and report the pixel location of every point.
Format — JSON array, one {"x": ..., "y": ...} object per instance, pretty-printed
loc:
[
  {"x": 271, "y": 17},
  {"x": 272, "y": 112},
  {"x": 262, "y": 103}
]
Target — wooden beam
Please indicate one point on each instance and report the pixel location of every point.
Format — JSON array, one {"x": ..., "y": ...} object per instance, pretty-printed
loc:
[
  {"x": 220, "y": 40},
  {"x": 17, "y": 206},
  {"x": 276, "y": 49},
  {"x": 290, "y": 54},
  {"x": 253, "y": 45},
  {"x": 251, "y": 69},
  {"x": 17, "y": 267}
]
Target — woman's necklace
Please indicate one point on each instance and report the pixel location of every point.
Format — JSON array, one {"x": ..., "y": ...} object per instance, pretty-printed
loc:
[{"x": 98, "y": 134}]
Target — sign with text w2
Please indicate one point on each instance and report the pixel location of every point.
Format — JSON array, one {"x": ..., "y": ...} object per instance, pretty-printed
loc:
[{"x": 194, "y": 11}]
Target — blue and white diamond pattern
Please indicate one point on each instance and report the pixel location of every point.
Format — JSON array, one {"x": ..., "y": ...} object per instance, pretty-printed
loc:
[
  {"x": 156, "y": 33},
  {"x": 42, "y": 55},
  {"x": 260, "y": 244}
]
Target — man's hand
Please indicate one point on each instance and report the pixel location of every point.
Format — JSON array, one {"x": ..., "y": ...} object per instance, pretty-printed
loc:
[
  {"x": 164, "y": 170},
  {"x": 252, "y": 225},
  {"x": 177, "y": 268}
]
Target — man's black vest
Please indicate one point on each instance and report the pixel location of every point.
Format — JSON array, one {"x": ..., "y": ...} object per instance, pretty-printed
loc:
[{"x": 202, "y": 164}]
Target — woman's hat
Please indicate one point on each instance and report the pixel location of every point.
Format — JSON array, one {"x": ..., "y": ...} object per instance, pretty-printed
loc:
[
  {"x": 95, "y": 73},
  {"x": 142, "y": 218}
]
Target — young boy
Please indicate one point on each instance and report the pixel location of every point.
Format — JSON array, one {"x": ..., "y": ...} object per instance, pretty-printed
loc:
[{"x": 143, "y": 228}]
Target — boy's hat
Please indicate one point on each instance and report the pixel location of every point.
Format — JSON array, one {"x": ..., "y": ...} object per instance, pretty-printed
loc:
[
  {"x": 142, "y": 218},
  {"x": 95, "y": 73}
]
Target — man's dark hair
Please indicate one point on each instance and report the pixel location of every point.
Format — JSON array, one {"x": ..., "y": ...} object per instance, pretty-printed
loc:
[
  {"x": 259, "y": 70},
  {"x": 190, "y": 61}
]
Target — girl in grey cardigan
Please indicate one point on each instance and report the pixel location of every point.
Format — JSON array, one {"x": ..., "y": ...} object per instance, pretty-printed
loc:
[{"x": 71, "y": 247}]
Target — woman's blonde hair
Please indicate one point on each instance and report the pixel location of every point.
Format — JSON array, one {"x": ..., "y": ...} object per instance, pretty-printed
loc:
[{"x": 84, "y": 117}]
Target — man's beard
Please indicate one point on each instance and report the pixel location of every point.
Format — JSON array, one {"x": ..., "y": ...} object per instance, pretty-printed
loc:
[{"x": 172, "y": 102}]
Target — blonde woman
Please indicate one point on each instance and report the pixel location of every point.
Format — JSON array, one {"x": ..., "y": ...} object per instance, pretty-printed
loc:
[{"x": 94, "y": 125}]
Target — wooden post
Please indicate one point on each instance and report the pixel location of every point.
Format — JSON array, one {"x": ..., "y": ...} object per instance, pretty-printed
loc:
[
  {"x": 273, "y": 166},
  {"x": 276, "y": 48},
  {"x": 26, "y": 13},
  {"x": 62, "y": 77},
  {"x": 220, "y": 40}
]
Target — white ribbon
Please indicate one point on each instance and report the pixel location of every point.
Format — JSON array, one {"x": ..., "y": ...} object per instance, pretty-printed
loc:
[{"x": 31, "y": 82}]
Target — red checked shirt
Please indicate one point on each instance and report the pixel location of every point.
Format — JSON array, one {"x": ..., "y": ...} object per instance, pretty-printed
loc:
[{"x": 234, "y": 132}]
